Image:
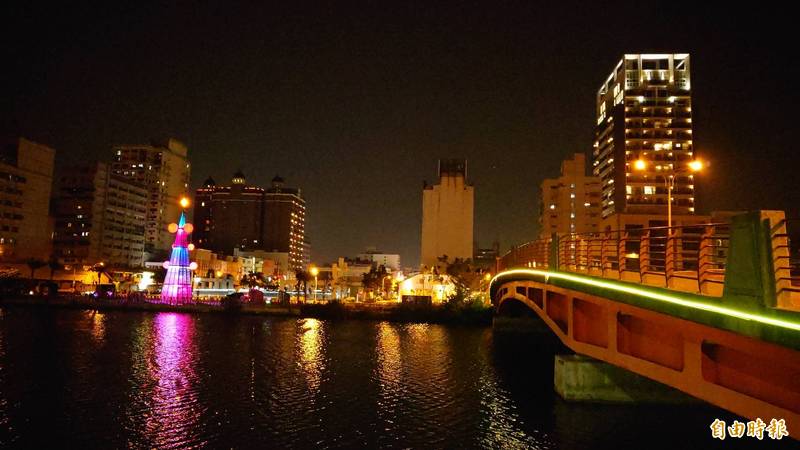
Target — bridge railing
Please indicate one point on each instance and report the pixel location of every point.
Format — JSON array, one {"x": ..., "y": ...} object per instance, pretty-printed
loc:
[
  {"x": 786, "y": 261},
  {"x": 530, "y": 254},
  {"x": 688, "y": 258}
]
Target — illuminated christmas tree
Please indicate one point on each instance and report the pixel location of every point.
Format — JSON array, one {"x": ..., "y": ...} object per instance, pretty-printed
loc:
[{"x": 177, "y": 289}]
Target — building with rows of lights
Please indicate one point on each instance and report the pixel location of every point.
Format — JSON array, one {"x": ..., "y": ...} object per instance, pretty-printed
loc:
[
  {"x": 644, "y": 112},
  {"x": 241, "y": 217}
]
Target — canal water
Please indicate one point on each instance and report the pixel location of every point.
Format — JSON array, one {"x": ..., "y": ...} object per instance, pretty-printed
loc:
[{"x": 79, "y": 379}]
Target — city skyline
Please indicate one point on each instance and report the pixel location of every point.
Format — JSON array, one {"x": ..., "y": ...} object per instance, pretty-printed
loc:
[{"x": 356, "y": 112}]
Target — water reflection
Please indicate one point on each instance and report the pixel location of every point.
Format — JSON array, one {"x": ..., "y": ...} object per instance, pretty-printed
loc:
[
  {"x": 173, "y": 409},
  {"x": 501, "y": 424},
  {"x": 389, "y": 374},
  {"x": 311, "y": 343},
  {"x": 4, "y": 419},
  {"x": 97, "y": 324},
  {"x": 181, "y": 381}
]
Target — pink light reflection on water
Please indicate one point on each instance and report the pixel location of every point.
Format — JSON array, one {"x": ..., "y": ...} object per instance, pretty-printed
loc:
[{"x": 174, "y": 410}]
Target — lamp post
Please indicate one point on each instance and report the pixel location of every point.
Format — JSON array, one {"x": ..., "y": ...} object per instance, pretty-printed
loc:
[
  {"x": 669, "y": 180},
  {"x": 315, "y": 272}
]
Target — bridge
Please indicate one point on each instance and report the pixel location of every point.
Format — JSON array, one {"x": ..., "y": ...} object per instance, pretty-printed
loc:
[{"x": 712, "y": 310}]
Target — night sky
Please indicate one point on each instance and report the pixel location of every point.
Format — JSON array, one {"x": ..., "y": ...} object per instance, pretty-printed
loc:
[{"x": 354, "y": 103}]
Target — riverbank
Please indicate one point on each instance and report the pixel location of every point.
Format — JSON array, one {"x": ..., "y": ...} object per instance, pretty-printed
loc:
[{"x": 466, "y": 314}]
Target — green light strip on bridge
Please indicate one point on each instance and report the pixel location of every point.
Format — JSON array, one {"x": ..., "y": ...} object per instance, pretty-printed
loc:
[{"x": 656, "y": 296}]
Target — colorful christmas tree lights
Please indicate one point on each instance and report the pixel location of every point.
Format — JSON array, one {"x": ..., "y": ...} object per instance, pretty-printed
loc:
[{"x": 177, "y": 289}]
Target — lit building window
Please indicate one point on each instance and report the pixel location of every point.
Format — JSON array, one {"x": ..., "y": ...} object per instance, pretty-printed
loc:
[{"x": 649, "y": 190}]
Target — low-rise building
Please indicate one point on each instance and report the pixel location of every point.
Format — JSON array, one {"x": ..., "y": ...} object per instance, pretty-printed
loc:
[{"x": 388, "y": 260}]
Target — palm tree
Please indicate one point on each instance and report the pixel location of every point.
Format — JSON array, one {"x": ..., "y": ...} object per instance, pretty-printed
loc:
[
  {"x": 54, "y": 265},
  {"x": 33, "y": 264},
  {"x": 302, "y": 278}
]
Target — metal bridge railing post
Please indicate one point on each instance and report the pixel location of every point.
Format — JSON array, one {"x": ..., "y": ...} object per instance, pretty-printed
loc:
[
  {"x": 704, "y": 263},
  {"x": 781, "y": 265},
  {"x": 670, "y": 256},
  {"x": 644, "y": 255},
  {"x": 622, "y": 260}
]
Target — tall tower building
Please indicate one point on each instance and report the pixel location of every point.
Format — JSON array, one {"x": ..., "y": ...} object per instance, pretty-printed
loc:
[
  {"x": 571, "y": 202},
  {"x": 644, "y": 111},
  {"x": 284, "y": 223},
  {"x": 447, "y": 214},
  {"x": 163, "y": 168}
]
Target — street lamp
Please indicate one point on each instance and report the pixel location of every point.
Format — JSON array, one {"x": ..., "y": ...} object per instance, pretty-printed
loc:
[
  {"x": 669, "y": 180},
  {"x": 315, "y": 272}
]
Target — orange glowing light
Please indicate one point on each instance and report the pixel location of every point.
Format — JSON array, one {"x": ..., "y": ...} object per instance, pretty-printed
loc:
[
  {"x": 639, "y": 164},
  {"x": 696, "y": 165},
  {"x": 184, "y": 202},
  {"x": 173, "y": 227},
  {"x": 188, "y": 228}
]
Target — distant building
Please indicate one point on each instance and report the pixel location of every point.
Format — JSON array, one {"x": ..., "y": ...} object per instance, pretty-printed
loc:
[
  {"x": 251, "y": 218},
  {"x": 388, "y": 260},
  {"x": 163, "y": 168},
  {"x": 447, "y": 214},
  {"x": 26, "y": 178},
  {"x": 273, "y": 264},
  {"x": 644, "y": 111},
  {"x": 486, "y": 258},
  {"x": 99, "y": 217},
  {"x": 285, "y": 223},
  {"x": 571, "y": 202},
  {"x": 213, "y": 265},
  {"x": 229, "y": 217}
]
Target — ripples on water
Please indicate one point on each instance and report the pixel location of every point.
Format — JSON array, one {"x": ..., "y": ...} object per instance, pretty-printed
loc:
[{"x": 122, "y": 379}]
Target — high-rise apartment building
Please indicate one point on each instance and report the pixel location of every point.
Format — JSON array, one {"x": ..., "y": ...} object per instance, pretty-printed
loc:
[
  {"x": 26, "y": 178},
  {"x": 99, "y": 217},
  {"x": 447, "y": 214},
  {"x": 571, "y": 202},
  {"x": 644, "y": 111},
  {"x": 229, "y": 217},
  {"x": 285, "y": 223},
  {"x": 163, "y": 168}
]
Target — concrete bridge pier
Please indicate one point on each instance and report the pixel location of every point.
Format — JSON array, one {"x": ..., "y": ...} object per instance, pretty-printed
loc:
[{"x": 579, "y": 378}]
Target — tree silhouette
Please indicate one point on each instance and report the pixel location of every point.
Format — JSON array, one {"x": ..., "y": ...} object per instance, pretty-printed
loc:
[
  {"x": 302, "y": 278},
  {"x": 33, "y": 264},
  {"x": 54, "y": 265}
]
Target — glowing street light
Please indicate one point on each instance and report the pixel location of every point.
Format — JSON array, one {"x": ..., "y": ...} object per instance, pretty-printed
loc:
[
  {"x": 314, "y": 271},
  {"x": 669, "y": 181},
  {"x": 184, "y": 202},
  {"x": 696, "y": 165}
]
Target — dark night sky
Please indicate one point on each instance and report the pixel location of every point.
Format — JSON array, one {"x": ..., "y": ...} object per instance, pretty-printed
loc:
[{"x": 355, "y": 103}]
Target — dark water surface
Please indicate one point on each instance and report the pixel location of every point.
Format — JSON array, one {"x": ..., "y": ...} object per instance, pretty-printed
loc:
[{"x": 78, "y": 379}]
